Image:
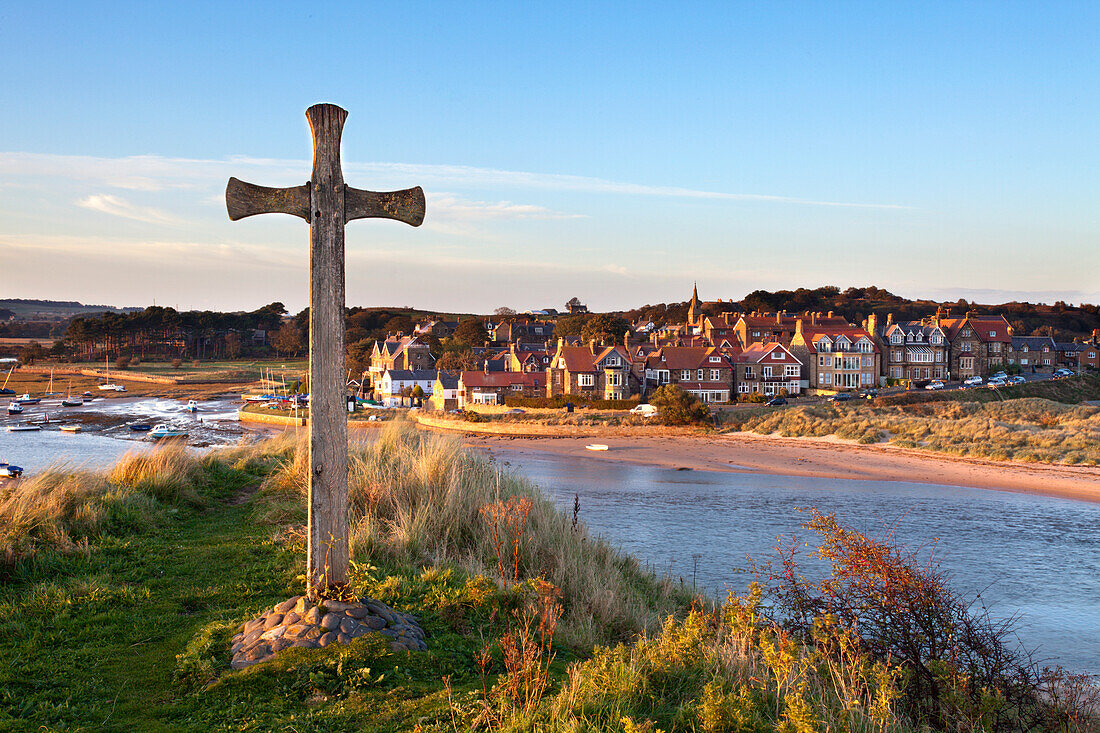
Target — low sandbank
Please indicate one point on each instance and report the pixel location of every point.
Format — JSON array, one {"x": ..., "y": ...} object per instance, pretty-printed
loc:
[{"x": 825, "y": 458}]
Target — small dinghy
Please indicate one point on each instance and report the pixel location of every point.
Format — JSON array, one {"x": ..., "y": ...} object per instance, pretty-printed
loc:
[
  {"x": 70, "y": 428},
  {"x": 7, "y": 470},
  {"x": 596, "y": 446},
  {"x": 23, "y": 428},
  {"x": 141, "y": 427}
]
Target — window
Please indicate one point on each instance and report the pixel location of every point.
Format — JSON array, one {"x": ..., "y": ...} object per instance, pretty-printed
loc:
[
  {"x": 992, "y": 334},
  {"x": 824, "y": 378},
  {"x": 821, "y": 361},
  {"x": 749, "y": 373},
  {"x": 767, "y": 372},
  {"x": 964, "y": 346},
  {"x": 995, "y": 347},
  {"x": 936, "y": 339},
  {"x": 895, "y": 338},
  {"x": 614, "y": 379},
  {"x": 586, "y": 380},
  {"x": 825, "y": 345},
  {"x": 895, "y": 372},
  {"x": 612, "y": 361},
  {"x": 791, "y": 370},
  {"x": 743, "y": 388},
  {"x": 777, "y": 354},
  {"x": 756, "y": 334},
  {"x": 517, "y": 387},
  {"x": 699, "y": 375},
  {"x": 715, "y": 360},
  {"x": 715, "y": 375},
  {"x": 864, "y": 345}
]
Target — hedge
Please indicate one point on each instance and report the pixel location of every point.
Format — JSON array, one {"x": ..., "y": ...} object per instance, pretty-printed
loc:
[{"x": 559, "y": 402}]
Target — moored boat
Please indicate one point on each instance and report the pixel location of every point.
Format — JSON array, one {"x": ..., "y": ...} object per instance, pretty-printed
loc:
[
  {"x": 26, "y": 399},
  {"x": 70, "y": 428},
  {"x": 14, "y": 408},
  {"x": 192, "y": 406},
  {"x": 141, "y": 427},
  {"x": 166, "y": 431},
  {"x": 7, "y": 470},
  {"x": 23, "y": 428},
  {"x": 70, "y": 402},
  {"x": 596, "y": 446}
]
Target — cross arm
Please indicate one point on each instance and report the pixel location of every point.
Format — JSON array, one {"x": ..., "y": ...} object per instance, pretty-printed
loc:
[
  {"x": 247, "y": 199},
  {"x": 406, "y": 206}
]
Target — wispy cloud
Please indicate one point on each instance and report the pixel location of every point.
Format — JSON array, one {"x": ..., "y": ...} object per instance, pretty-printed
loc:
[
  {"x": 449, "y": 206},
  {"x": 115, "y": 206},
  {"x": 150, "y": 172}
]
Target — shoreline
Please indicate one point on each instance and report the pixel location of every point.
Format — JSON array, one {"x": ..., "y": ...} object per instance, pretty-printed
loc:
[{"x": 823, "y": 458}]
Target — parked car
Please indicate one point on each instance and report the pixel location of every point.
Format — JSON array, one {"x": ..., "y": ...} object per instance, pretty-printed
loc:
[
  {"x": 776, "y": 401},
  {"x": 935, "y": 385},
  {"x": 842, "y": 397},
  {"x": 1063, "y": 372},
  {"x": 644, "y": 410},
  {"x": 1016, "y": 380},
  {"x": 996, "y": 382},
  {"x": 971, "y": 381},
  {"x": 870, "y": 394},
  {"x": 515, "y": 411}
]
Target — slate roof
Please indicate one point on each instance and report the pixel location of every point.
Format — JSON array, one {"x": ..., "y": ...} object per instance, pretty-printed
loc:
[
  {"x": 1033, "y": 343},
  {"x": 532, "y": 380}
]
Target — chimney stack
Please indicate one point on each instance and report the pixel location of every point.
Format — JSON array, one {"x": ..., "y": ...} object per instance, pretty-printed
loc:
[{"x": 830, "y": 314}]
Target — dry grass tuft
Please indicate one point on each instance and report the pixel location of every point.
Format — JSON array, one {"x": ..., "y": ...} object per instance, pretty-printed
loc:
[{"x": 417, "y": 498}]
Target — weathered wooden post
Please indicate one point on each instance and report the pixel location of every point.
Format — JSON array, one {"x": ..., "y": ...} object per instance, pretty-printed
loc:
[{"x": 327, "y": 203}]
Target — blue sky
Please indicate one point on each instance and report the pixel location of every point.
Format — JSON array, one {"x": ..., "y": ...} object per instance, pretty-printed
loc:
[{"x": 615, "y": 152}]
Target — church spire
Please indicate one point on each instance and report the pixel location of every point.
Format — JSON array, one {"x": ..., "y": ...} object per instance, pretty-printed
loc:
[{"x": 693, "y": 306}]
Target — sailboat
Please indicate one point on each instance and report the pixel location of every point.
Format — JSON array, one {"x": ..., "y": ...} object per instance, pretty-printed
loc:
[
  {"x": 49, "y": 387},
  {"x": 69, "y": 401},
  {"x": 108, "y": 387},
  {"x": 4, "y": 389}
]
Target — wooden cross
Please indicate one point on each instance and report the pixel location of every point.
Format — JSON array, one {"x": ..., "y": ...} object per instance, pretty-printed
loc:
[{"x": 327, "y": 203}]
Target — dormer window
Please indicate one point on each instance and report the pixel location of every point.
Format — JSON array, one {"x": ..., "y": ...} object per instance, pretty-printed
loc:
[
  {"x": 895, "y": 338},
  {"x": 992, "y": 334},
  {"x": 715, "y": 359}
]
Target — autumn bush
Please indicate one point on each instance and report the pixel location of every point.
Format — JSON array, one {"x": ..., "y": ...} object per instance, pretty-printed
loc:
[
  {"x": 957, "y": 667},
  {"x": 677, "y": 407}
]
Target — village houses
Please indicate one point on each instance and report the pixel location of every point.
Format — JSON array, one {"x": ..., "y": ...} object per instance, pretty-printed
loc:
[
  {"x": 593, "y": 372},
  {"x": 769, "y": 369}
]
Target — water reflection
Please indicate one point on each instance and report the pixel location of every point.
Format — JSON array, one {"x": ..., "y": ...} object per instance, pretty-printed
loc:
[{"x": 1038, "y": 556}]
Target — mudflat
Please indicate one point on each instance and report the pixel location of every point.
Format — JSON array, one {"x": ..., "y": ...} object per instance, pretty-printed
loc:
[{"x": 826, "y": 458}]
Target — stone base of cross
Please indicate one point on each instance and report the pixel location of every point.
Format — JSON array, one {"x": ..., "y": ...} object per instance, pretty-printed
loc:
[{"x": 327, "y": 203}]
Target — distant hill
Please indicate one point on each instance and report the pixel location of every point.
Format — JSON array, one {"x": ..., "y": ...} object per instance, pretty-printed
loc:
[{"x": 27, "y": 309}]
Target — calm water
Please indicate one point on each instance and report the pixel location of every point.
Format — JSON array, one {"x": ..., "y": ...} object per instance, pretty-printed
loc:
[{"x": 1037, "y": 556}]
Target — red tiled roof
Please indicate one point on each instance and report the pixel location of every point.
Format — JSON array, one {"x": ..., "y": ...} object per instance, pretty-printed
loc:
[
  {"x": 757, "y": 353},
  {"x": 816, "y": 333},
  {"x": 686, "y": 357},
  {"x": 982, "y": 325}
]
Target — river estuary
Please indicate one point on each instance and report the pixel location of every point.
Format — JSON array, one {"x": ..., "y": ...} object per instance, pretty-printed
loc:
[{"x": 1036, "y": 556}]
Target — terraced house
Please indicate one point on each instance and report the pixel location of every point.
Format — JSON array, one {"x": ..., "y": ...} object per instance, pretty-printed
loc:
[
  {"x": 402, "y": 353},
  {"x": 703, "y": 371},
  {"x": 1033, "y": 353},
  {"x": 594, "y": 372},
  {"x": 978, "y": 345},
  {"x": 837, "y": 358},
  {"x": 768, "y": 369},
  {"x": 913, "y": 350}
]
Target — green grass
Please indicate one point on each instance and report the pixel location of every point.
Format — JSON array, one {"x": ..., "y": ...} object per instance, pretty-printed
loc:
[{"x": 110, "y": 625}]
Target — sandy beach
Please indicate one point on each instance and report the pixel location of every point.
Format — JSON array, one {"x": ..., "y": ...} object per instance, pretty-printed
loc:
[{"x": 816, "y": 457}]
